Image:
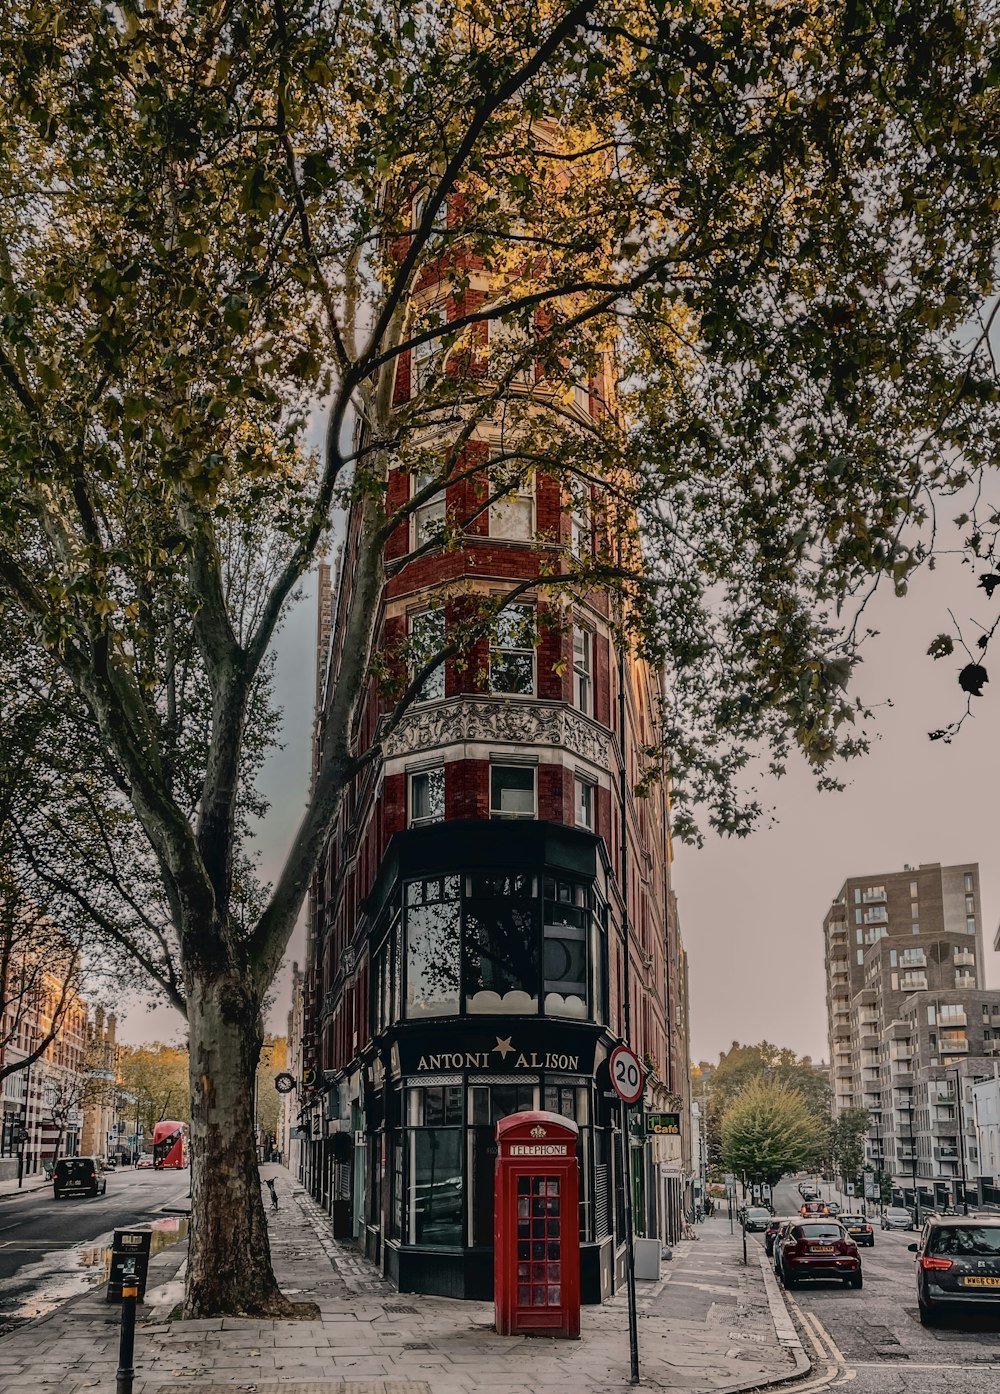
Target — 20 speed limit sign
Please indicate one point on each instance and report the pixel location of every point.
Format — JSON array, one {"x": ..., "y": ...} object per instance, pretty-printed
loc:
[{"x": 626, "y": 1075}]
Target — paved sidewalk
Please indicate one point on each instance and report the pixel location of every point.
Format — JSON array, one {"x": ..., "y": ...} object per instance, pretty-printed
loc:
[{"x": 703, "y": 1329}]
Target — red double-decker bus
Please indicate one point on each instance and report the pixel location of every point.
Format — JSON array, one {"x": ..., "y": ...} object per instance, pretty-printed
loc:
[{"x": 169, "y": 1145}]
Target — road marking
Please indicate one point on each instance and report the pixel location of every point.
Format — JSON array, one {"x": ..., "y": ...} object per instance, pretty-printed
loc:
[
  {"x": 824, "y": 1335},
  {"x": 16, "y": 1225},
  {"x": 913, "y": 1365}
]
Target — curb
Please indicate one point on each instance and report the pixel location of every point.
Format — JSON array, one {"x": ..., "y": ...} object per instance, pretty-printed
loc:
[{"x": 784, "y": 1327}]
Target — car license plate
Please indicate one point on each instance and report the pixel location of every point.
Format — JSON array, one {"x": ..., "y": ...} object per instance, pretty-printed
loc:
[
  {"x": 981, "y": 1282},
  {"x": 822, "y": 1249}
]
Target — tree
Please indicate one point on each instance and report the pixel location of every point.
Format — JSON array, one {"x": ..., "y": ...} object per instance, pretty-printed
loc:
[
  {"x": 768, "y": 1130},
  {"x": 848, "y": 1134},
  {"x": 765, "y": 222},
  {"x": 274, "y": 1059},
  {"x": 743, "y": 1065},
  {"x": 155, "y": 1080}
]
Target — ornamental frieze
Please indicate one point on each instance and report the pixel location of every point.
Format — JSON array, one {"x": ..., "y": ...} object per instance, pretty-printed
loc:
[{"x": 535, "y": 723}]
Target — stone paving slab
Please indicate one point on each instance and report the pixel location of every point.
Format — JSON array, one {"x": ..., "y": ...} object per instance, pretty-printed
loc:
[{"x": 371, "y": 1339}]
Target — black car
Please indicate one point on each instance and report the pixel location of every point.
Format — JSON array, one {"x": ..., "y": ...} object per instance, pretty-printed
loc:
[
  {"x": 773, "y": 1228},
  {"x": 862, "y": 1231},
  {"x": 78, "y": 1176},
  {"x": 958, "y": 1264},
  {"x": 757, "y": 1218}
]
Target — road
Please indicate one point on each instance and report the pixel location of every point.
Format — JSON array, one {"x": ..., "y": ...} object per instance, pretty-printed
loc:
[
  {"x": 874, "y": 1337},
  {"x": 50, "y": 1250}
]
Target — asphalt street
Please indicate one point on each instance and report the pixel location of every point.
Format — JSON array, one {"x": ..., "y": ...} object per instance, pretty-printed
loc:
[
  {"x": 50, "y": 1250},
  {"x": 874, "y": 1339}
]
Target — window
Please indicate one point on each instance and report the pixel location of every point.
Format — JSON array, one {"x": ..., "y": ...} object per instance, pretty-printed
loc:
[
  {"x": 913, "y": 890},
  {"x": 512, "y": 651},
  {"x": 857, "y": 913},
  {"x": 426, "y": 356},
  {"x": 565, "y": 948},
  {"x": 583, "y": 670},
  {"x": 511, "y": 358},
  {"x": 915, "y": 929},
  {"x": 969, "y": 885},
  {"x": 970, "y": 925},
  {"x": 420, "y": 207},
  {"x": 914, "y": 910},
  {"x": 892, "y": 958},
  {"x": 427, "y": 631},
  {"x": 427, "y": 797},
  {"x": 501, "y": 944},
  {"x": 436, "y": 1202},
  {"x": 584, "y": 803},
  {"x": 581, "y": 391},
  {"x": 428, "y": 518},
  {"x": 512, "y": 516},
  {"x": 432, "y": 946},
  {"x": 579, "y": 528},
  {"x": 512, "y": 791},
  {"x": 861, "y": 957},
  {"x": 857, "y": 895},
  {"x": 970, "y": 904}
]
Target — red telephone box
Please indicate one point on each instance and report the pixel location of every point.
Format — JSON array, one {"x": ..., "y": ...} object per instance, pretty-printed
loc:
[{"x": 536, "y": 1229}]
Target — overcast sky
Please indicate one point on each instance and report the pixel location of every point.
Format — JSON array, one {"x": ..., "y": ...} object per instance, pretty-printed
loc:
[{"x": 752, "y": 910}]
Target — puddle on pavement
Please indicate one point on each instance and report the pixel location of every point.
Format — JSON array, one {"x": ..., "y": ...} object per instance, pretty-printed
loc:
[{"x": 40, "y": 1287}]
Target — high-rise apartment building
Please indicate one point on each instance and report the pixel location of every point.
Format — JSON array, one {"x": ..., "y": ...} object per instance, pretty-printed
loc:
[
  {"x": 910, "y": 1022},
  {"x": 494, "y": 889}
]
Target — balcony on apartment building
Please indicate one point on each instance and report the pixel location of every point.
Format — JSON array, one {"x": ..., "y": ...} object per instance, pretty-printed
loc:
[
  {"x": 953, "y": 1045},
  {"x": 954, "y": 1016},
  {"x": 965, "y": 980},
  {"x": 913, "y": 982},
  {"x": 912, "y": 958},
  {"x": 872, "y": 895},
  {"x": 991, "y": 1048},
  {"x": 962, "y": 958}
]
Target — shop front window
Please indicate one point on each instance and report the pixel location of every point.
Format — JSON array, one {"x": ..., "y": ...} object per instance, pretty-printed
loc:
[
  {"x": 436, "y": 1165},
  {"x": 501, "y": 954},
  {"x": 433, "y": 943}
]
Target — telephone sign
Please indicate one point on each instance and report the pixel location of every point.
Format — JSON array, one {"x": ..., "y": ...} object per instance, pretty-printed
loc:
[{"x": 626, "y": 1075}]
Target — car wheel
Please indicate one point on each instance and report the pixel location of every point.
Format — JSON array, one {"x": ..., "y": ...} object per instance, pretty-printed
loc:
[
  {"x": 926, "y": 1314},
  {"x": 856, "y": 1282}
]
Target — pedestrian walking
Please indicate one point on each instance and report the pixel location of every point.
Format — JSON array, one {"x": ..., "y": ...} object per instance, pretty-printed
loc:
[{"x": 269, "y": 1183}]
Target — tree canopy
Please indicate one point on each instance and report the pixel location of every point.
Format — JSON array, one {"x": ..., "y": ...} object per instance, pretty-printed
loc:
[
  {"x": 155, "y": 1080},
  {"x": 762, "y": 239},
  {"x": 768, "y": 1130}
]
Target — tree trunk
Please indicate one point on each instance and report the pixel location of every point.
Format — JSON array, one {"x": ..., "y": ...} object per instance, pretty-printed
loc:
[{"x": 229, "y": 1256}]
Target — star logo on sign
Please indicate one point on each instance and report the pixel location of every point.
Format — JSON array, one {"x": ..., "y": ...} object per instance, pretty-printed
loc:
[{"x": 504, "y": 1047}]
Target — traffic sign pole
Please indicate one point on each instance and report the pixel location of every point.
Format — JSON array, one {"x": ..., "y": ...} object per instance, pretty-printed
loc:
[{"x": 628, "y": 1083}]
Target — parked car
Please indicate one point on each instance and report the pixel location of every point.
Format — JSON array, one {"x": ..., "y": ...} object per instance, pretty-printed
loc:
[
  {"x": 145, "y": 1162},
  {"x": 813, "y": 1207},
  {"x": 859, "y": 1229},
  {"x": 895, "y": 1217},
  {"x": 80, "y": 1176},
  {"x": 758, "y": 1218},
  {"x": 833, "y": 1207},
  {"x": 773, "y": 1229},
  {"x": 817, "y": 1249},
  {"x": 958, "y": 1264}
]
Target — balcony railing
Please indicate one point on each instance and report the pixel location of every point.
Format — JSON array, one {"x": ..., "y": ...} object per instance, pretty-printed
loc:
[
  {"x": 873, "y": 893},
  {"x": 914, "y": 982},
  {"x": 965, "y": 980},
  {"x": 964, "y": 959},
  {"x": 913, "y": 958}
]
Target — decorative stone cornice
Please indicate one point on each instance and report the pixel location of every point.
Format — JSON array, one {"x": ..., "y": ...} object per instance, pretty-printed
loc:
[{"x": 459, "y": 722}]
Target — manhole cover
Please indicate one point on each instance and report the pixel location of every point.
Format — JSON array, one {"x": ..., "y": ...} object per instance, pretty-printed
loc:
[{"x": 402, "y": 1311}]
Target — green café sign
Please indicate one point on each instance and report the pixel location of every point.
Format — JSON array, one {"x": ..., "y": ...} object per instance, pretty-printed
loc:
[{"x": 664, "y": 1124}]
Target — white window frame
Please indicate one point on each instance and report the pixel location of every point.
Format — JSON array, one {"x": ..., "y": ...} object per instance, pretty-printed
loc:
[
  {"x": 581, "y": 542},
  {"x": 424, "y": 520},
  {"x": 433, "y": 817},
  {"x": 522, "y": 495},
  {"x": 581, "y": 784},
  {"x": 510, "y": 339},
  {"x": 583, "y": 675},
  {"x": 433, "y": 689},
  {"x": 425, "y": 356},
  {"x": 497, "y": 648},
  {"x": 496, "y": 811}
]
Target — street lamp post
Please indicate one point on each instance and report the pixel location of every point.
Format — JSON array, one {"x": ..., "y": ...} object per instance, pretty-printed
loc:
[
  {"x": 913, "y": 1161},
  {"x": 961, "y": 1139}
]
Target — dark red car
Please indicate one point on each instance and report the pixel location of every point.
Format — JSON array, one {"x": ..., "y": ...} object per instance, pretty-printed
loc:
[
  {"x": 817, "y": 1249},
  {"x": 772, "y": 1232}
]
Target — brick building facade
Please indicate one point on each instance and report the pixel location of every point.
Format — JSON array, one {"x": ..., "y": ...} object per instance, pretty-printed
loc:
[{"x": 494, "y": 895}]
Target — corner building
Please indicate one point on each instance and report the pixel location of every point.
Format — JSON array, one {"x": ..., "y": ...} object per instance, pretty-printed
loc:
[{"x": 471, "y": 929}]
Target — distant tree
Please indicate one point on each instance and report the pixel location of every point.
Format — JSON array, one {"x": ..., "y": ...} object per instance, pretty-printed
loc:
[
  {"x": 767, "y": 1130},
  {"x": 156, "y": 1079},
  {"x": 847, "y": 1137},
  {"x": 273, "y": 1059},
  {"x": 743, "y": 1064}
]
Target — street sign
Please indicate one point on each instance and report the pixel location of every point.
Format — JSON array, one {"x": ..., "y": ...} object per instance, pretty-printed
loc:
[
  {"x": 626, "y": 1075},
  {"x": 309, "y": 1076},
  {"x": 668, "y": 1123},
  {"x": 284, "y": 1083},
  {"x": 730, "y": 1178},
  {"x": 850, "y": 1188}
]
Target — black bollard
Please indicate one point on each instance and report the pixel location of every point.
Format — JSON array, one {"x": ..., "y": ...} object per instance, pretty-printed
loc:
[{"x": 126, "y": 1346}]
